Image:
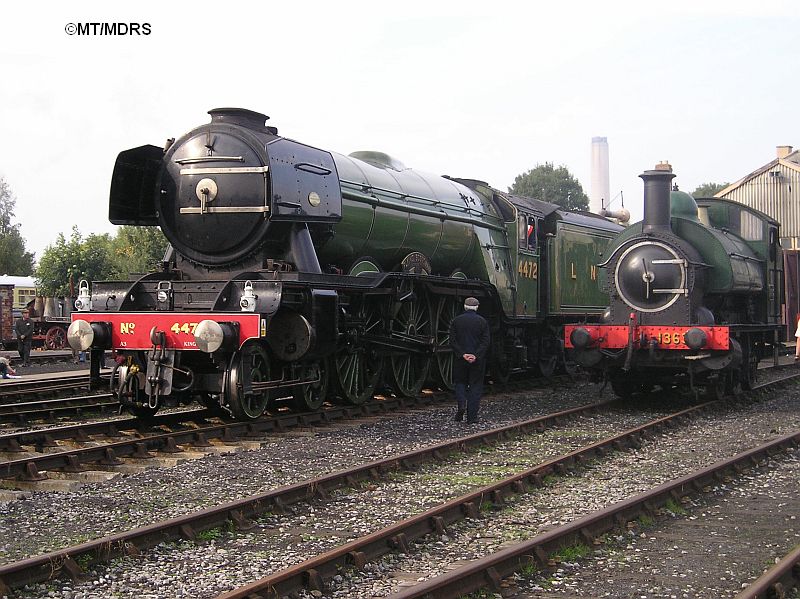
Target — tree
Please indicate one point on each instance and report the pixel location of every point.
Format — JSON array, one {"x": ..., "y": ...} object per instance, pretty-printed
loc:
[
  {"x": 73, "y": 260},
  {"x": 14, "y": 258},
  {"x": 708, "y": 190},
  {"x": 550, "y": 184},
  {"x": 137, "y": 250}
]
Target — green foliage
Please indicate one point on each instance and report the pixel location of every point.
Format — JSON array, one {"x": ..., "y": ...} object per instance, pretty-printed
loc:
[
  {"x": 572, "y": 553},
  {"x": 708, "y": 190},
  {"x": 137, "y": 250},
  {"x": 76, "y": 258},
  {"x": 209, "y": 535},
  {"x": 98, "y": 257},
  {"x": 14, "y": 258},
  {"x": 646, "y": 521},
  {"x": 674, "y": 507},
  {"x": 550, "y": 184},
  {"x": 529, "y": 570}
]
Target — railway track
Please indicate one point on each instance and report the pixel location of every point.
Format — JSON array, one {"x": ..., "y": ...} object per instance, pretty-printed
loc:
[
  {"x": 244, "y": 511},
  {"x": 76, "y": 560},
  {"x": 778, "y": 581},
  {"x": 22, "y": 390},
  {"x": 52, "y": 410},
  {"x": 31, "y": 453}
]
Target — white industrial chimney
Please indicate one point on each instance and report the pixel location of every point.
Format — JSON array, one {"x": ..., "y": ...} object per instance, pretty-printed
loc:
[{"x": 599, "y": 194}]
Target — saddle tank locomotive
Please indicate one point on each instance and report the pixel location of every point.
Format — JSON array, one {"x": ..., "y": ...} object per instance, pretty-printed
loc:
[{"x": 695, "y": 296}]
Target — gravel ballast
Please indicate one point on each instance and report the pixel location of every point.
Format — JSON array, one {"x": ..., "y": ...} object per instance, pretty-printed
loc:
[{"x": 216, "y": 563}]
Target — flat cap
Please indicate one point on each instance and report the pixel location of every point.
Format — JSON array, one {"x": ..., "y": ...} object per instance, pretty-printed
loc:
[{"x": 472, "y": 302}]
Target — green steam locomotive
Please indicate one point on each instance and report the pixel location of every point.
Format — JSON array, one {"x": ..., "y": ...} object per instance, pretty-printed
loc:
[{"x": 295, "y": 275}]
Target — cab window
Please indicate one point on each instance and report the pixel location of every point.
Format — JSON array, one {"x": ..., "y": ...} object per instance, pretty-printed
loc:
[{"x": 528, "y": 233}]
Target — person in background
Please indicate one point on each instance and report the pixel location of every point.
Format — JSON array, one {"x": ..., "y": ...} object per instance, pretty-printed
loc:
[
  {"x": 24, "y": 329},
  {"x": 5, "y": 368},
  {"x": 469, "y": 338}
]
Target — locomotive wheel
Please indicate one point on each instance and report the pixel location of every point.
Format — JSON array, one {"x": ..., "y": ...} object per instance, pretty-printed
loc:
[
  {"x": 131, "y": 391},
  {"x": 549, "y": 350},
  {"x": 252, "y": 362},
  {"x": 715, "y": 387},
  {"x": 749, "y": 371},
  {"x": 547, "y": 365},
  {"x": 446, "y": 311},
  {"x": 358, "y": 371},
  {"x": 733, "y": 383},
  {"x": 412, "y": 322},
  {"x": 56, "y": 338},
  {"x": 310, "y": 397}
]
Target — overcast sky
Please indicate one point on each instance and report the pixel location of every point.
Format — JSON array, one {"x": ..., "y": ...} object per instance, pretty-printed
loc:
[{"x": 482, "y": 90}]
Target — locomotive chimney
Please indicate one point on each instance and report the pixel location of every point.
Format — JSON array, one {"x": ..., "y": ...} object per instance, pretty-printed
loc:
[
  {"x": 239, "y": 116},
  {"x": 656, "y": 197}
]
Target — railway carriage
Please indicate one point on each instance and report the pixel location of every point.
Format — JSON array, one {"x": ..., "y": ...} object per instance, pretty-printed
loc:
[
  {"x": 296, "y": 275},
  {"x": 695, "y": 296}
]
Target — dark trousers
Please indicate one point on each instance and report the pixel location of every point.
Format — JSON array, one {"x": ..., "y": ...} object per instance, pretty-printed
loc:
[
  {"x": 24, "y": 349},
  {"x": 468, "y": 379}
]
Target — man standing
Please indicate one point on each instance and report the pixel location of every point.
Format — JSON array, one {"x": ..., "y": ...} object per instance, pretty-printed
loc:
[
  {"x": 469, "y": 338},
  {"x": 24, "y": 328}
]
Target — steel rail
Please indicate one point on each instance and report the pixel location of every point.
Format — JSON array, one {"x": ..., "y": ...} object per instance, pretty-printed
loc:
[
  {"x": 311, "y": 574},
  {"x": 47, "y": 437},
  {"x": 109, "y": 454},
  {"x": 47, "y": 409},
  {"x": 15, "y": 389},
  {"x": 488, "y": 572},
  {"x": 242, "y": 511},
  {"x": 777, "y": 581},
  {"x": 72, "y": 460}
]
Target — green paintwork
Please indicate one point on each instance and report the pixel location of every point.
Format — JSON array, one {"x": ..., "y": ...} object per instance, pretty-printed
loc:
[
  {"x": 574, "y": 276},
  {"x": 734, "y": 266},
  {"x": 387, "y": 214},
  {"x": 469, "y": 229},
  {"x": 390, "y": 213},
  {"x": 682, "y": 205}
]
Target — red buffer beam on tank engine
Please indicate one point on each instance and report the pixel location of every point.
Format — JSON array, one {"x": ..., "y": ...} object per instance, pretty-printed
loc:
[{"x": 643, "y": 336}]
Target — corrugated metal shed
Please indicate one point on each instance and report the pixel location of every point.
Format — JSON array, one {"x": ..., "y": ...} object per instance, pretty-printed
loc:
[{"x": 775, "y": 190}]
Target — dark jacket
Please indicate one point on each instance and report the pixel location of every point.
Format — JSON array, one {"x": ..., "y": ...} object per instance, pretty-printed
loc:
[
  {"x": 469, "y": 334},
  {"x": 24, "y": 329}
]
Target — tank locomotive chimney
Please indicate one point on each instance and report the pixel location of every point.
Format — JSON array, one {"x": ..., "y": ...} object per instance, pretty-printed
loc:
[{"x": 656, "y": 198}]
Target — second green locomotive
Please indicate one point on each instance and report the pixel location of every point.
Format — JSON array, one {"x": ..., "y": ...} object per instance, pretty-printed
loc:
[
  {"x": 695, "y": 296},
  {"x": 298, "y": 275}
]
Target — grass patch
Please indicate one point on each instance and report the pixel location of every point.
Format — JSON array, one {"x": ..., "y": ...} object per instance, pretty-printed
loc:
[
  {"x": 209, "y": 535},
  {"x": 460, "y": 479},
  {"x": 481, "y": 594},
  {"x": 674, "y": 507},
  {"x": 645, "y": 521},
  {"x": 549, "y": 479},
  {"x": 572, "y": 553},
  {"x": 529, "y": 570}
]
